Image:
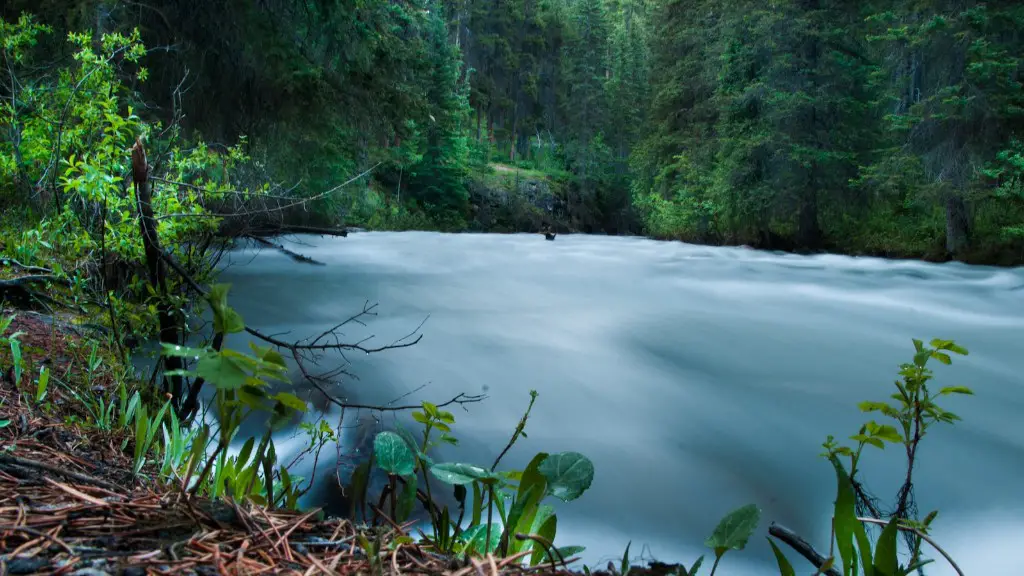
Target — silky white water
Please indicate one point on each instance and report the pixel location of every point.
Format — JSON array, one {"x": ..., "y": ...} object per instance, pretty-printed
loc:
[{"x": 697, "y": 379}]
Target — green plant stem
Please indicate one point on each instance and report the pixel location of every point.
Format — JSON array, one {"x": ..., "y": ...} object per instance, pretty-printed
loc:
[
  {"x": 518, "y": 431},
  {"x": 490, "y": 511},
  {"x": 206, "y": 468},
  {"x": 434, "y": 520},
  {"x": 718, "y": 558}
]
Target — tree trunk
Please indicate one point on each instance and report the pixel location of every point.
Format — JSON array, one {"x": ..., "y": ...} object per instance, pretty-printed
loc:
[
  {"x": 155, "y": 264},
  {"x": 958, "y": 225},
  {"x": 809, "y": 231}
]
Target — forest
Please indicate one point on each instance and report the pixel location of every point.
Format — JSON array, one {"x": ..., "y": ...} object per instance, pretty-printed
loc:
[
  {"x": 881, "y": 128},
  {"x": 140, "y": 142}
]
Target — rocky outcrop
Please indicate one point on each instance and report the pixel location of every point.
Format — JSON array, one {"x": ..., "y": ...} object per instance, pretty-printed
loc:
[{"x": 510, "y": 200}]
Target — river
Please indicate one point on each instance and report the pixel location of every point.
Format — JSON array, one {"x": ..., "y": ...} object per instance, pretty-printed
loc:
[{"x": 697, "y": 379}]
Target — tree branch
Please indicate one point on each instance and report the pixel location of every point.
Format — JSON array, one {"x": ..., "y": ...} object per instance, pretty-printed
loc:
[{"x": 804, "y": 548}]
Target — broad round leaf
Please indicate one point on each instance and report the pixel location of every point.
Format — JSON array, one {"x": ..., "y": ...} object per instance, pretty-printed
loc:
[
  {"x": 393, "y": 455},
  {"x": 569, "y": 474},
  {"x": 734, "y": 530}
]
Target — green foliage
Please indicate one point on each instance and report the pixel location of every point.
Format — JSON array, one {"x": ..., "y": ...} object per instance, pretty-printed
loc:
[
  {"x": 812, "y": 126},
  {"x": 525, "y": 522}
]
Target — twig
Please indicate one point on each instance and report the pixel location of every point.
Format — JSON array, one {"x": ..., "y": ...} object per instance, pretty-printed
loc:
[
  {"x": 804, "y": 548},
  {"x": 39, "y": 534},
  {"x": 923, "y": 536}
]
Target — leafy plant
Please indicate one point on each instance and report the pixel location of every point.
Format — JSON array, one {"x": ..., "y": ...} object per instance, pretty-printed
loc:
[
  {"x": 520, "y": 525},
  {"x": 914, "y": 411},
  {"x": 240, "y": 383}
]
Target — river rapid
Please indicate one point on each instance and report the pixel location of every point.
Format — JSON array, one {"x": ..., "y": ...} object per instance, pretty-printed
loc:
[{"x": 697, "y": 379}]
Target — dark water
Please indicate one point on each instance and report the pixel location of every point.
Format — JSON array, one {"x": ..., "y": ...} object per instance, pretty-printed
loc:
[{"x": 697, "y": 379}]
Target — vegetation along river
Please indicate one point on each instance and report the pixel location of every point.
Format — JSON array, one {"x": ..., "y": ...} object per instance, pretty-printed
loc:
[{"x": 697, "y": 379}]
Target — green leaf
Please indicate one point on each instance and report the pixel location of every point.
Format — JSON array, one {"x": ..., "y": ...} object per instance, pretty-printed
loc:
[
  {"x": 455, "y": 473},
  {"x": 44, "y": 380},
  {"x": 182, "y": 351},
  {"x": 547, "y": 531},
  {"x": 225, "y": 319},
  {"x": 888, "y": 433},
  {"x": 408, "y": 499},
  {"x": 5, "y": 423},
  {"x": 847, "y": 527},
  {"x": 360, "y": 485},
  {"x": 476, "y": 537},
  {"x": 696, "y": 566},
  {"x": 886, "y": 559},
  {"x": 785, "y": 568},
  {"x": 290, "y": 400},
  {"x": 956, "y": 390},
  {"x": 624, "y": 564},
  {"x": 222, "y": 371},
  {"x": 16, "y": 357},
  {"x": 521, "y": 515},
  {"x": 734, "y": 530},
  {"x": 393, "y": 455},
  {"x": 873, "y": 407},
  {"x": 942, "y": 357},
  {"x": 569, "y": 474}
]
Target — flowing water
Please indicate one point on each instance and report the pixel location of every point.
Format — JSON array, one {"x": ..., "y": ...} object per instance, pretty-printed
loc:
[{"x": 697, "y": 379}]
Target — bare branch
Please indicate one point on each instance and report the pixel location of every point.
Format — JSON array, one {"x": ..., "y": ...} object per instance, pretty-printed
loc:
[
  {"x": 923, "y": 536},
  {"x": 804, "y": 548}
]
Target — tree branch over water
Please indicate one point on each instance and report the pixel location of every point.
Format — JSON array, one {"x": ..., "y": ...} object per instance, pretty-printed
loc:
[{"x": 306, "y": 350}]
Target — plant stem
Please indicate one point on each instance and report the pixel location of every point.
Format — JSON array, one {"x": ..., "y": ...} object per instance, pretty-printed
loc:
[
  {"x": 518, "y": 431},
  {"x": 490, "y": 509},
  {"x": 434, "y": 520},
  {"x": 718, "y": 558}
]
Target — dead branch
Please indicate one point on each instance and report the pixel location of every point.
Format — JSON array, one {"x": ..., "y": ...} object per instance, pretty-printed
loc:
[
  {"x": 293, "y": 255},
  {"x": 298, "y": 348},
  {"x": 804, "y": 548},
  {"x": 30, "y": 269},
  {"x": 923, "y": 536},
  {"x": 23, "y": 281},
  {"x": 297, "y": 229}
]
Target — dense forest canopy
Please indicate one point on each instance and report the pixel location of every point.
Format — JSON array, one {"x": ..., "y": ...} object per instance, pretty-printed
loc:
[{"x": 890, "y": 128}]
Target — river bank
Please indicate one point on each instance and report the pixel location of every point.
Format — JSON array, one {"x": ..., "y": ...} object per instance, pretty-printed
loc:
[{"x": 70, "y": 501}]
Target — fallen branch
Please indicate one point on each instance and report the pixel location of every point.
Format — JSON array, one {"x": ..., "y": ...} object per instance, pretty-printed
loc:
[
  {"x": 23, "y": 281},
  {"x": 295, "y": 229},
  {"x": 293, "y": 255},
  {"x": 32, "y": 269},
  {"x": 804, "y": 548}
]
